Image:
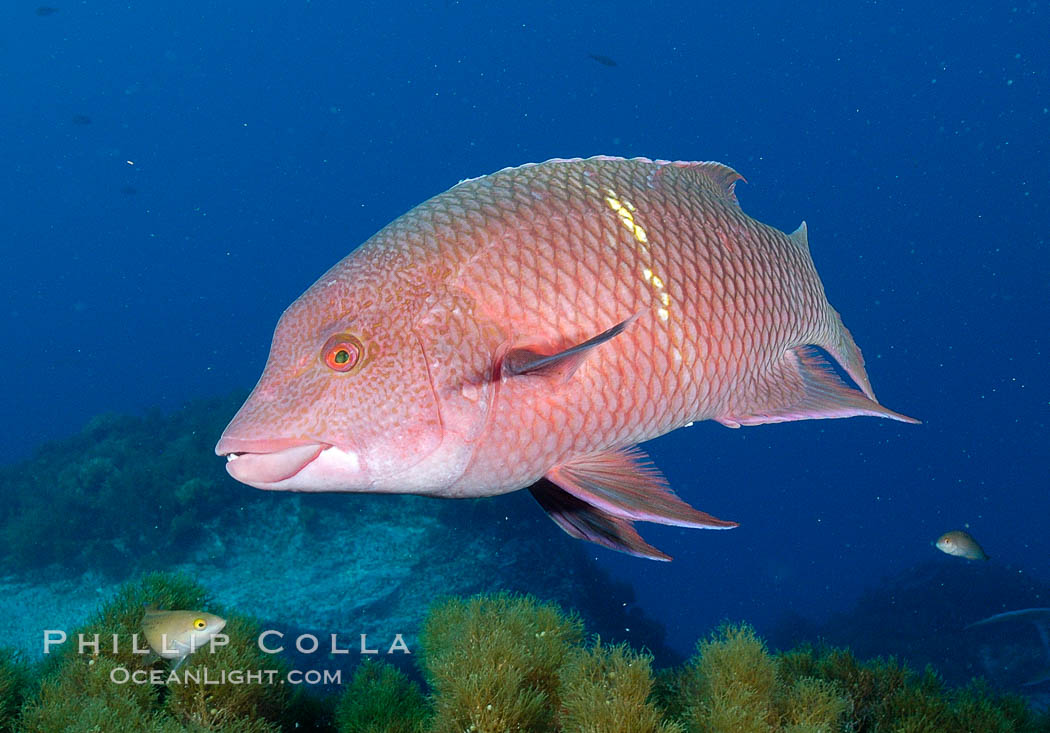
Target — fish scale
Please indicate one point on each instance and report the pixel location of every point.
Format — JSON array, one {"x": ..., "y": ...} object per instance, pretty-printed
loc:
[
  {"x": 660, "y": 393},
  {"x": 657, "y": 393},
  {"x": 529, "y": 327}
]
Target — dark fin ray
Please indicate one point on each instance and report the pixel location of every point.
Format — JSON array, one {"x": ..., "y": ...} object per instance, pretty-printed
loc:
[
  {"x": 562, "y": 364},
  {"x": 626, "y": 484},
  {"x": 582, "y": 521},
  {"x": 804, "y": 386}
]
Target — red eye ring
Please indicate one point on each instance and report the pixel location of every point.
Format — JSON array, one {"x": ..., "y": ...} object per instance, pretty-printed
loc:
[{"x": 341, "y": 352}]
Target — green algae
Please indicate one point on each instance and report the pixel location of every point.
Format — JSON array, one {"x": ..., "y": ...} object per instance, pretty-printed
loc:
[
  {"x": 887, "y": 695},
  {"x": 609, "y": 689},
  {"x": 732, "y": 684},
  {"x": 493, "y": 662},
  {"x": 380, "y": 699},
  {"x": 15, "y": 680}
]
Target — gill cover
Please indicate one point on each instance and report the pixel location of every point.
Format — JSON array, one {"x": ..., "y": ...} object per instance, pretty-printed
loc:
[{"x": 462, "y": 349}]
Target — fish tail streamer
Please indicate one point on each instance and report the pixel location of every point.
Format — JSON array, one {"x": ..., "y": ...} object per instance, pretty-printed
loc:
[
  {"x": 803, "y": 385},
  {"x": 840, "y": 344}
]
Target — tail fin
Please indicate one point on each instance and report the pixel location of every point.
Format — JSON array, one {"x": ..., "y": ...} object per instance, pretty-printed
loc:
[
  {"x": 804, "y": 386},
  {"x": 846, "y": 352},
  {"x": 839, "y": 343}
]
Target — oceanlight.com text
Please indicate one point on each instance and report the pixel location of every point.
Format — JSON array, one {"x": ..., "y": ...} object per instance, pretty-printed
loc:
[{"x": 206, "y": 676}]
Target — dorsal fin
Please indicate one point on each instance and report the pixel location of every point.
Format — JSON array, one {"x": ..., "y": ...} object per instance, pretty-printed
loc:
[
  {"x": 714, "y": 177},
  {"x": 801, "y": 237}
]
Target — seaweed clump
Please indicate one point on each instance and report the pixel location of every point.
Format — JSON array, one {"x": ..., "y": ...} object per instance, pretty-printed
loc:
[
  {"x": 507, "y": 662},
  {"x": 885, "y": 694},
  {"x": 493, "y": 662},
  {"x": 735, "y": 685},
  {"x": 380, "y": 699},
  {"x": 15, "y": 679},
  {"x": 609, "y": 689},
  {"x": 511, "y": 663}
]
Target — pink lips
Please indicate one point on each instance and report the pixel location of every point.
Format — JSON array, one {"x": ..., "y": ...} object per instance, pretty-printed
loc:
[{"x": 268, "y": 468}]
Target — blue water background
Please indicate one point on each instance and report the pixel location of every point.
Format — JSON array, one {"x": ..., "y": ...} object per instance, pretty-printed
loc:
[{"x": 175, "y": 175}]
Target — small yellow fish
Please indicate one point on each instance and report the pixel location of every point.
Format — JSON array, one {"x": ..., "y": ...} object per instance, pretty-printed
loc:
[
  {"x": 177, "y": 634},
  {"x": 960, "y": 544}
]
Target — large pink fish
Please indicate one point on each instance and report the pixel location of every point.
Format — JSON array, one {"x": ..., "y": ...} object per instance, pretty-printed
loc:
[{"x": 528, "y": 328}]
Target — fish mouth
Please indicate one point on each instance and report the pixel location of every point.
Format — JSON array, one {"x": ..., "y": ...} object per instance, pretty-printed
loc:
[
  {"x": 294, "y": 464},
  {"x": 264, "y": 462}
]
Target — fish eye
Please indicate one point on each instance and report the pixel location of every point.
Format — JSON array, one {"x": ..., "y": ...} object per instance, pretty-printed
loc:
[
  {"x": 341, "y": 352},
  {"x": 199, "y": 624}
]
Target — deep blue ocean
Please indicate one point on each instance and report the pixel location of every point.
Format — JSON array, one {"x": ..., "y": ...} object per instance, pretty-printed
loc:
[{"x": 175, "y": 175}]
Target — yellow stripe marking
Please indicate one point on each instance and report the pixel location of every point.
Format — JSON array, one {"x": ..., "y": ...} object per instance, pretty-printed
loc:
[{"x": 626, "y": 210}]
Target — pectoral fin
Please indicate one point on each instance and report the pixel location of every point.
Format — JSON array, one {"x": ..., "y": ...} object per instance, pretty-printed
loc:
[{"x": 561, "y": 365}]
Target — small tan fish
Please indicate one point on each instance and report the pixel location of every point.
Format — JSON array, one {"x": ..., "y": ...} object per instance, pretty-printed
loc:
[
  {"x": 177, "y": 634},
  {"x": 960, "y": 544}
]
